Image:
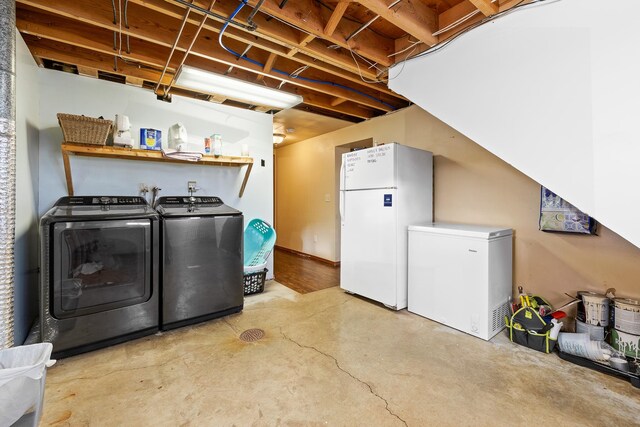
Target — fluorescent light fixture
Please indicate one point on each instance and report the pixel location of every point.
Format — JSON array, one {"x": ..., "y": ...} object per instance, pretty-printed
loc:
[
  {"x": 278, "y": 138},
  {"x": 217, "y": 84}
]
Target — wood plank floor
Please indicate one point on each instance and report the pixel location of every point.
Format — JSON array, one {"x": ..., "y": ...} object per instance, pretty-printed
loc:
[{"x": 302, "y": 274}]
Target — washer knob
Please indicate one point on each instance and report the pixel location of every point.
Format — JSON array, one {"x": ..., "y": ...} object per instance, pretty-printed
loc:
[{"x": 105, "y": 200}]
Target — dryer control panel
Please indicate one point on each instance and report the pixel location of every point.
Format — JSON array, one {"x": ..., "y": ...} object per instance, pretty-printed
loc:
[{"x": 185, "y": 200}]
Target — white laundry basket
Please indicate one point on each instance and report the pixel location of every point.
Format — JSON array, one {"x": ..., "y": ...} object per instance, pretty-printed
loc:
[{"x": 22, "y": 376}]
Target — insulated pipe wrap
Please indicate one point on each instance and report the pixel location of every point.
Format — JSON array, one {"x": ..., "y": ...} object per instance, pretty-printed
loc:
[{"x": 7, "y": 167}]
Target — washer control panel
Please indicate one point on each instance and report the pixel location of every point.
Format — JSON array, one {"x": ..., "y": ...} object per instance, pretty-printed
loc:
[{"x": 100, "y": 200}]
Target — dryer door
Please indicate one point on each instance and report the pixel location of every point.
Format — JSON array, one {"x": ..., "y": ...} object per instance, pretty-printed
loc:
[{"x": 99, "y": 266}]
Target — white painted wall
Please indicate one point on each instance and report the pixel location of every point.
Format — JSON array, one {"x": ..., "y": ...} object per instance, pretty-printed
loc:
[
  {"x": 26, "y": 230},
  {"x": 552, "y": 89},
  {"x": 66, "y": 93}
]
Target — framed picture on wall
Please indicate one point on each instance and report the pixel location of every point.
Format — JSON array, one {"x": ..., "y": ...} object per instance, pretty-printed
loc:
[{"x": 556, "y": 214}]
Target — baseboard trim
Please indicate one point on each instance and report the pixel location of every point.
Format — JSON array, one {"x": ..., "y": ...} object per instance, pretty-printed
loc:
[{"x": 305, "y": 255}]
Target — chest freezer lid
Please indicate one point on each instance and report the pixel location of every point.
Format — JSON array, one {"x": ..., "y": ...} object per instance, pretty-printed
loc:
[{"x": 465, "y": 230}]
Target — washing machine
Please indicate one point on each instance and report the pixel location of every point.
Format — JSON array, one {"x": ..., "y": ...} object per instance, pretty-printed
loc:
[
  {"x": 100, "y": 265},
  {"x": 202, "y": 260}
]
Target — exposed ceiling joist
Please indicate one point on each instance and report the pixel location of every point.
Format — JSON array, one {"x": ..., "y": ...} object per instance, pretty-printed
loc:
[
  {"x": 335, "y": 18},
  {"x": 157, "y": 24},
  {"x": 268, "y": 65},
  {"x": 87, "y": 71},
  {"x": 487, "y": 7},
  {"x": 333, "y": 53},
  {"x": 55, "y": 51},
  {"x": 274, "y": 35},
  {"x": 309, "y": 17},
  {"x": 143, "y": 51},
  {"x": 64, "y": 53},
  {"x": 134, "y": 81},
  {"x": 412, "y": 16}
]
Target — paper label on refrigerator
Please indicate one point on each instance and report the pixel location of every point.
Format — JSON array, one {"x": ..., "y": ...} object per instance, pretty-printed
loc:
[
  {"x": 370, "y": 168},
  {"x": 387, "y": 200}
]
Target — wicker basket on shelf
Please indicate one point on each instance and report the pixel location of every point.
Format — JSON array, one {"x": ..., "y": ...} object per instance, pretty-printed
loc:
[{"x": 84, "y": 130}]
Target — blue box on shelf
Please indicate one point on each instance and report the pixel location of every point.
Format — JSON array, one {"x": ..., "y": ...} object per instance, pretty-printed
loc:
[{"x": 150, "y": 139}]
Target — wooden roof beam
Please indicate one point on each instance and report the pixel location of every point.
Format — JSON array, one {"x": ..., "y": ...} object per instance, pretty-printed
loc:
[
  {"x": 81, "y": 34},
  {"x": 134, "y": 81},
  {"x": 487, "y": 7},
  {"x": 61, "y": 52},
  {"x": 203, "y": 50},
  {"x": 309, "y": 16},
  {"x": 273, "y": 36},
  {"x": 339, "y": 64},
  {"x": 338, "y": 101},
  {"x": 56, "y": 51},
  {"x": 308, "y": 38},
  {"x": 335, "y": 17},
  {"x": 52, "y": 27},
  {"x": 508, "y": 4},
  {"x": 464, "y": 11},
  {"x": 218, "y": 99},
  {"x": 268, "y": 65},
  {"x": 412, "y": 16},
  {"x": 87, "y": 71}
]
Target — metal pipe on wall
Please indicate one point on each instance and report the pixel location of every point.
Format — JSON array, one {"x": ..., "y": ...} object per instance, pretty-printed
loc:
[{"x": 7, "y": 167}]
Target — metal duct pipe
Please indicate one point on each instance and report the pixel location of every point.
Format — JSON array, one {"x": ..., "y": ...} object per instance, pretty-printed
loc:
[{"x": 7, "y": 167}]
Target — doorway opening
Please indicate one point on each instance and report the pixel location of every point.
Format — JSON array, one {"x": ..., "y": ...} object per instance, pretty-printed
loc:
[
  {"x": 306, "y": 273},
  {"x": 339, "y": 151}
]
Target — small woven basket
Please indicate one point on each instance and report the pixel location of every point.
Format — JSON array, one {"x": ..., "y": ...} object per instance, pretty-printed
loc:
[{"x": 84, "y": 130}]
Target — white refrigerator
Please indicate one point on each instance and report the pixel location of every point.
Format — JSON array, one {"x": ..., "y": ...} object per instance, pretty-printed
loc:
[{"x": 383, "y": 189}]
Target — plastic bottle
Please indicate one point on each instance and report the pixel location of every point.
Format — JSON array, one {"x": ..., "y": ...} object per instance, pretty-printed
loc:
[
  {"x": 557, "y": 326},
  {"x": 217, "y": 144}
]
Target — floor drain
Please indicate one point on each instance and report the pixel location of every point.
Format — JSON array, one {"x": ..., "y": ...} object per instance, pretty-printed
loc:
[{"x": 252, "y": 335}]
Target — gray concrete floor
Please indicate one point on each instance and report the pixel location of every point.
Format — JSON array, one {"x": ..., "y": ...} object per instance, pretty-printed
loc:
[{"x": 329, "y": 358}]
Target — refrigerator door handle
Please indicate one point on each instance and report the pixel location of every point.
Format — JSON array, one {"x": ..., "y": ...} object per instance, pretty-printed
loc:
[{"x": 342, "y": 191}]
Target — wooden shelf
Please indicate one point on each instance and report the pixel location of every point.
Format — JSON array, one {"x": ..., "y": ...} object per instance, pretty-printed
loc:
[{"x": 147, "y": 155}]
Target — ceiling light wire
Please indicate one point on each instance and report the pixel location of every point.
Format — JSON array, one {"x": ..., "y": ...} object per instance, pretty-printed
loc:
[
  {"x": 360, "y": 70},
  {"x": 456, "y": 23},
  {"x": 186, "y": 53},
  {"x": 213, "y": 15},
  {"x": 371, "y": 21},
  {"x": 173, "y": 48},
  {"x": 405, "y": 49}
]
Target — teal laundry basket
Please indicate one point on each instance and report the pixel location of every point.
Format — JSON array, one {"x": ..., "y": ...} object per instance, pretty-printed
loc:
[{"x": 259, "y": 240}]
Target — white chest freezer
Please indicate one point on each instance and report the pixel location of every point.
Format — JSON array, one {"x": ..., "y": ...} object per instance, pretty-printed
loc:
[{"x": 461, "y": 276}]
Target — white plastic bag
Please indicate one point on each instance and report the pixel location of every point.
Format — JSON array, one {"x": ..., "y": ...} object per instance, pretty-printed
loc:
[
  {"x": 22, "y": 375},
  {"x": 178, "y": 139},
  {"x": 580, "y": 344}
]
